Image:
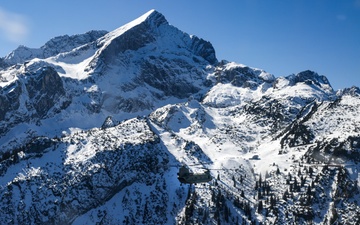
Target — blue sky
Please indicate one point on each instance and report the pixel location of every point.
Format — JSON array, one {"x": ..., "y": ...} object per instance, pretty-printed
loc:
[{"x": 279, "y": 36}]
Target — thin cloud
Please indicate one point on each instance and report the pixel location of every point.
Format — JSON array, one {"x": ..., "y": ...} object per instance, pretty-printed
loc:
[
  {"x": 357, "y": 3},
  {"x": 13, "y": 26},
  {"x": 341, "y": 17}
]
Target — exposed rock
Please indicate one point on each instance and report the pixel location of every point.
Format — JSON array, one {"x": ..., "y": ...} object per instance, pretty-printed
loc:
[
  {"x": 53, "y": 47},
  {"x": 280, "y": 151},
  {"x": 109, "y": 122},
  {"x": 45, "y": 89},
  {"x": 9, "y": 98},
  {"x": 353, "y": 91}
]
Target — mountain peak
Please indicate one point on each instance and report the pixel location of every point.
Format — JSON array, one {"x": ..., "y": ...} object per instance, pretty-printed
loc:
[
  {"x": 155, "y": 17},
  {"x": 152, "y": 18},
  {"x": 353, "y": 91},
  {"x": 150, "y": 28},
  {"x": 311, "y": 77}
]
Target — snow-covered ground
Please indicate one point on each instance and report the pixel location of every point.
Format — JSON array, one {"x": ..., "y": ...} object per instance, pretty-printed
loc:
[{"x": 126, "y": 113}]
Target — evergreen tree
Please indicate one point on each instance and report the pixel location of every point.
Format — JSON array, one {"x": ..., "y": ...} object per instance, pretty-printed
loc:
[
  {"x": 242, "y": 194},
  {"x": 268, "y": 189},
  {"x": 272, "y": 202},
  {"x": 260, "y": 206},
  {"x": 260, "y": 181},
  {"x": 264, "y": 189},
  {"x": 241, "y": 179},
  {"x": 308, "y": 191},
  {"x": 213, "y": 197},
  {"x": 295, "y": 187},
  {"x": 146, "y": 212},
  {"x": 286, "y": 193},
  {"x": 259, "y": 194},
  {"x": 311, "y": 171},
  {"x": 226, "y": 214},
  {"x": 233, "y": 178},
  {"x": 278, "y": 171},
  {"x": 302, "y": 181}
]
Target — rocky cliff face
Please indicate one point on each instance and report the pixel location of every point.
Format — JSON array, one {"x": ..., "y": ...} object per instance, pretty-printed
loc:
[
  {"x": 45, "y": 89},
  {"x": 32, "y": 97},
  {"x": 281, "y": 150}
]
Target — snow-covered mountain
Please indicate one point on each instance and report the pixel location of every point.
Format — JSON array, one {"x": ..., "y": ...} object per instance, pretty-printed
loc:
[
  {"x": 51, "y": 48},
  {"x": 94, "y": 128}
]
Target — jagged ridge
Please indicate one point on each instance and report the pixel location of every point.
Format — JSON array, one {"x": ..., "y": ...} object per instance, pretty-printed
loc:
[{"x": 53, "y": 47}]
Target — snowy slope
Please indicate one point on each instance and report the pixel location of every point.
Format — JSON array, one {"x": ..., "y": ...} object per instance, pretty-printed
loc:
[
  {"x": 114, "y": 75},
  {"x": 53, "y": 47},
  {"x": 94, "y": 128}
]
